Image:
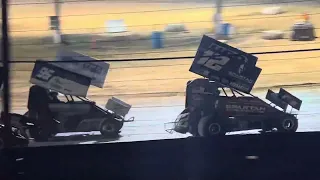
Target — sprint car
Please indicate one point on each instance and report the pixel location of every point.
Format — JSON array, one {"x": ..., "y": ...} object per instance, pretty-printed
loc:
[
  {"x": 214, "y": 109},
  {"x": 222, "y": 102},
  {"x": 77, "y": 114},
  {"x": 58, "y": 100}
]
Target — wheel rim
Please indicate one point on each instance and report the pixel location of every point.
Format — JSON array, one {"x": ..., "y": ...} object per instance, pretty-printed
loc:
[
  {"x": 288, "y": 124},
  {"x": 214, "y": 128},
  {"x": 108, "y": 127}
]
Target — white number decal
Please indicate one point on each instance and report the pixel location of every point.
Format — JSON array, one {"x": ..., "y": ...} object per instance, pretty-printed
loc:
[
  {"x": 213, "y": 64},
  {"x": 45, "y": 73}
]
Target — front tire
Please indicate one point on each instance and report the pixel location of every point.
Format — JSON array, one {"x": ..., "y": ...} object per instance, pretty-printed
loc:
[
  {"x": 288, "y": 124},
  {"x": 110, "y": 128},
  {"x": 209, "y": 126}
]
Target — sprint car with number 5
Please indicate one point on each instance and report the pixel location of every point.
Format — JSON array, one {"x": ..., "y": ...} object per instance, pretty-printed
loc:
[{"x": 57, "y": 101}]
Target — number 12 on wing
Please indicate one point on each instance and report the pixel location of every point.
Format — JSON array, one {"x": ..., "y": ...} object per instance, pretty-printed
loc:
[{"x": 213, "y": 64}]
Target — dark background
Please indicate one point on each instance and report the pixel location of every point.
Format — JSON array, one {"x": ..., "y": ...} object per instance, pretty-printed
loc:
[{"x": 279, "y": 156}]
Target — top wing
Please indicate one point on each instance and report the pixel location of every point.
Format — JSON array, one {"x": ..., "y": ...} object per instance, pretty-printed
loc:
[
  {"x": 93, "y": 69},
  {"x": 53, "y": 77},
  {"x": 220, "y": 62}
]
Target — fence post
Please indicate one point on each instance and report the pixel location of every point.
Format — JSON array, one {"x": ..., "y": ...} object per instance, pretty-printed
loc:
[{"x": 5, "y": 75}]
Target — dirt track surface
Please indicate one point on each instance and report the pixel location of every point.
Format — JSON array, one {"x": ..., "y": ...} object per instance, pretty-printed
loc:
[
  {"x": 135, "y": 81},
  {"x": 32, "y": 20}
]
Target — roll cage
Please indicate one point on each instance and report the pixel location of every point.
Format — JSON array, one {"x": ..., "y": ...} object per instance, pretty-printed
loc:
[
  {"x": 234, "y": 92},
  {"x": 226, "y": 90},
  {"x": 71, "y": 98}
]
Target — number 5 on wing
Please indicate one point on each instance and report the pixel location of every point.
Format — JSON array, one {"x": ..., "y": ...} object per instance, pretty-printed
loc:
[{"x": 213, "y": 64}]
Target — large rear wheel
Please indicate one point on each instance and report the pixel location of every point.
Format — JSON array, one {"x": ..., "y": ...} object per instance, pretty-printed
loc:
[
  {"x": 39, "y": 133},
  {"x": 17, "y": 122},
  {"x": 34, "y": 132}
]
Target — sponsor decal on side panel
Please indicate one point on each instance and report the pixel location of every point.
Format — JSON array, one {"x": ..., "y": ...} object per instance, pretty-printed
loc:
[{"x": 245, "y": 108}]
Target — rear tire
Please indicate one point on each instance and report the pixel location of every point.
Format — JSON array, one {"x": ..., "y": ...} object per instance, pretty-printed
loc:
[
  {"x": 288, "y": 124},
  {"x": 16, "y": 123},
  {"x": 37, "y": 132},
  {"x": 209, "y": 126}
]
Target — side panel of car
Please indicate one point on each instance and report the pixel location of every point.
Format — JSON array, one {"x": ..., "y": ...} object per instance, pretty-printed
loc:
[
  {"x": 90, "y": 121},
  {"x": 245, "y": 113},
  {"x": 241, "y": 106}
]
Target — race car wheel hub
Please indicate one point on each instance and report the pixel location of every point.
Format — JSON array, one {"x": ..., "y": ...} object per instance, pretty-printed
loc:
[
  {"x": 288, "y": 124},
  {"x": 214, "y": 128}
]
